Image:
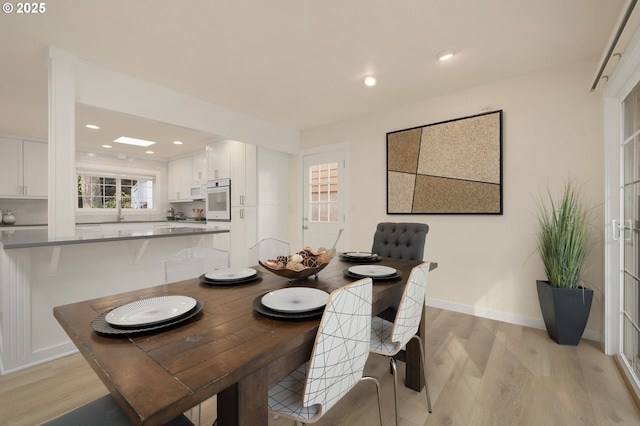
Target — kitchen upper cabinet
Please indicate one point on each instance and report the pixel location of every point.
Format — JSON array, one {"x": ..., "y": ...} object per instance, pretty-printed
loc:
[
  {"x": 237, "y": 161},
  {"x": 35, "y": 167},
  {"x": 219, "y": 160},
  {"x": 199, "y": 165},
  {"x": 24, "y": 166},
  {"x": 180, "y": 173}
]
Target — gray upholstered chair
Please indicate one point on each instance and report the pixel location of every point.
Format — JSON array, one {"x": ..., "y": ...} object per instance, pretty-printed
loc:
[{"x": 400, "y": 240}]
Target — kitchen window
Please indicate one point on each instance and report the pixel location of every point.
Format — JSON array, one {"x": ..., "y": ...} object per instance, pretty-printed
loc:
[{"x": 108, "y": 191}]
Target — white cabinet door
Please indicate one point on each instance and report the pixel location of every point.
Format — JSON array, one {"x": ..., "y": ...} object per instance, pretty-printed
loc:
[
  {"x": 199, "y": 165},
  {"x": 250, "y": 175},
  {"x": 35, "y": 157},
  {"x": 243, "y": 234},
  {"x": 180, "y": 172},
  {"x": 10, "y": 167},
  {"x": 243, "y": 174},
  {"x": 219, "y": 160}
]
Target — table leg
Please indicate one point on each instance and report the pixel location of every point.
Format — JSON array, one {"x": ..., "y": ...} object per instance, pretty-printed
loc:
[
  {"x": 415, "y": 372},
  {"x": 245, "y": 402}
]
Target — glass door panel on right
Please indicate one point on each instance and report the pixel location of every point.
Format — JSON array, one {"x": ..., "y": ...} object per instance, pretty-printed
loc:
[{"x": 631, "y": 252}]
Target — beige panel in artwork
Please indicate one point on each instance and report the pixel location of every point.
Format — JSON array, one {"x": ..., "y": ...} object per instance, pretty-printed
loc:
[
  {"x": 400, "y": 192},
  {"x": 466, "y": 149},
  {"x": 440, "y": 195},
  {"x": 402, "y": 150}
]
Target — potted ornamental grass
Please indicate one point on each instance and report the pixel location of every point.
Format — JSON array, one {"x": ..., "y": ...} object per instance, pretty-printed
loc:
[{"x": 563, "y": 241}]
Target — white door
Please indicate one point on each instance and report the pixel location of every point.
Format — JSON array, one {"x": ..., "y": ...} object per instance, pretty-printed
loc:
[
  {"x": 630, "y": 244},
  {"x": 324, "y": 186}
]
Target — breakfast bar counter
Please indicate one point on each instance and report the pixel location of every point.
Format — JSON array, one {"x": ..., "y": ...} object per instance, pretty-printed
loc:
[
  {"x": 38, "y": 272},
  {"x": 28, "y": 238}
]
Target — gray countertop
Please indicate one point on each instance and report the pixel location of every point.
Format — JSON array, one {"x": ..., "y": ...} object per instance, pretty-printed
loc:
[{"x": 27, "y": 238}]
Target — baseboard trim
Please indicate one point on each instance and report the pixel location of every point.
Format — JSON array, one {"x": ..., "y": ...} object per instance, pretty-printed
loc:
[{"x": 507, "y": 317}]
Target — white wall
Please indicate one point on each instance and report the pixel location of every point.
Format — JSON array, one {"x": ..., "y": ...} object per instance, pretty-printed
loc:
[{"x": 488, "y": 265}]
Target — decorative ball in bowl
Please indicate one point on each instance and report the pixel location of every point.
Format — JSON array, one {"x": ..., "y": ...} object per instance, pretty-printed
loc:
[{"x": 299, "y": 266}]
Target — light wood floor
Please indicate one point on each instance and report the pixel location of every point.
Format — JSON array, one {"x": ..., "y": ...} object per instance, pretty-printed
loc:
[{"x": 481, "y": 372}]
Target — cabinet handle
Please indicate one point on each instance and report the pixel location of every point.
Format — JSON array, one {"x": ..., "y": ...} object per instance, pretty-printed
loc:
[
  {"x": 242, "y": 200},
  {"x": 24, "y": 191},
  {"x": 241, "y": 213}
]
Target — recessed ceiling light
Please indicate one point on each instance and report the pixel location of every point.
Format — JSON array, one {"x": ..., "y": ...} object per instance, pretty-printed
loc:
[
  {"x": 369, "y": 81},
  {"x": 445, "y": 55},
  {"x": 92, "y": 126},
  {"x": 107, "y": 146},
  {"x": 177, "y": 143},
  {"x": 133, "y": 141},
  {"x": 149, "y": 152}
]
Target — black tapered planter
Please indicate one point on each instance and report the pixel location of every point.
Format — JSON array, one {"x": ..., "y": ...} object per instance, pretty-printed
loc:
[{"x": 565, "y": 311}]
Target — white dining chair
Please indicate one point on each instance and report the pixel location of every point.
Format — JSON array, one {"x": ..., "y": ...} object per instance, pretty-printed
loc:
[
  {"x": 388, "y": 338},
  {"x": 194, "y": 261},
  {"x": 268, "y": 248},
  {"x": 337, "y": 360}
]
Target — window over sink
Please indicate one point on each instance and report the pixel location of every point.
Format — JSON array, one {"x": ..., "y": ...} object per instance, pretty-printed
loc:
[{"x": 99, "y": 190}]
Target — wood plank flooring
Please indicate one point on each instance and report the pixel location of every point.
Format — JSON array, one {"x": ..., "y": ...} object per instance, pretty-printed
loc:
[{"x": 481, "y": 372}]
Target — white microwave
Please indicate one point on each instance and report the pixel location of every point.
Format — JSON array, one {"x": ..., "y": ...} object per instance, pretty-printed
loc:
[
  {"x": 198, "y": 191},
  {"x": 218, "y": 200}
]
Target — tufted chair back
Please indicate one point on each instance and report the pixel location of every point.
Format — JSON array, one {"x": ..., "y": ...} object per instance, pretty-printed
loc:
[{"x": 400, "y": 240}]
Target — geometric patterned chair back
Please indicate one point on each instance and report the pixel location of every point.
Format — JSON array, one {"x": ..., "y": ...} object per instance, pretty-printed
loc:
[
  {"x": 411, "y": 305},
  {"x": 268, "y": 248},
  {"x": 341, "y": 348},
  {"x": 193, "y": 262}
]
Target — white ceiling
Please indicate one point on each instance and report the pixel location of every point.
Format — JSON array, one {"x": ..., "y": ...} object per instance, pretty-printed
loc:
[{"x": 297, "y": 63}]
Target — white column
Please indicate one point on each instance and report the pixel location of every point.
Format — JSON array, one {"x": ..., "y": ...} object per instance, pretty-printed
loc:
[{"x": 62, "y": 141}]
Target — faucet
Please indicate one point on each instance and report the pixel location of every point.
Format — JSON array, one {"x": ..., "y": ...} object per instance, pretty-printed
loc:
[{"x": 120, "y": 215}]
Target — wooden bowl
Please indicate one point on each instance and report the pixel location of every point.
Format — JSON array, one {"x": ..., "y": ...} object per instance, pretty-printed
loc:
[{"x": 295, "y": 275}]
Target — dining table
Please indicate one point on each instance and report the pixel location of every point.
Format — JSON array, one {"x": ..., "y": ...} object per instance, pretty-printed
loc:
[{"x": 228, "y": 349}]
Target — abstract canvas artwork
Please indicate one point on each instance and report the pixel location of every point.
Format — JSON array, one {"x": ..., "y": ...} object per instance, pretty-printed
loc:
[{"x": 452, "y": 167}]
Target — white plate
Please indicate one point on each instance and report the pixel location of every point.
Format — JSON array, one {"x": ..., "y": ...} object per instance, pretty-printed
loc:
[
  {"x": 372, "y": 270},
  {"x": 359, "y": 254},
  {"x": 149, "y": 311},
  {"x": 230, "y": 274},
  {"x": 295, "y": 299}
]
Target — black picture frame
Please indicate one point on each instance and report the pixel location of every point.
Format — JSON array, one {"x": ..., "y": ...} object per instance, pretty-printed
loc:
[{"x": 450, "y": 167}]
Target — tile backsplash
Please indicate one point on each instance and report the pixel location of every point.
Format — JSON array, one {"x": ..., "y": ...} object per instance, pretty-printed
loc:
[{"x": 27, "y": 212}]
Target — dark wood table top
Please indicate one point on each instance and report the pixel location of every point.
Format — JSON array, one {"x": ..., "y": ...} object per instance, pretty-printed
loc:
[{"x": 229, "y": 349}]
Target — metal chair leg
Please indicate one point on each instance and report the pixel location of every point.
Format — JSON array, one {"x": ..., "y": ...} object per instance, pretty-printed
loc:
[
  {"x": 424, "y": 369},
  {"x": 394, "y": 370},
  {"x": 377, "y": 383}
]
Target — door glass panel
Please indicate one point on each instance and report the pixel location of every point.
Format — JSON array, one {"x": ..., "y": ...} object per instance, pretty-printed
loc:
[
  {"x": 631, "y": 234},
  {"x": 323, "y": 192}
]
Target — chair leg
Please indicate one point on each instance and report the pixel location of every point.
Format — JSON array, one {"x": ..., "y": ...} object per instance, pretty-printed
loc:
[
  {"x": 424, "y": 369},
  {"x": 377, "y": 383},
  {"x": 394, "y": 371}
]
